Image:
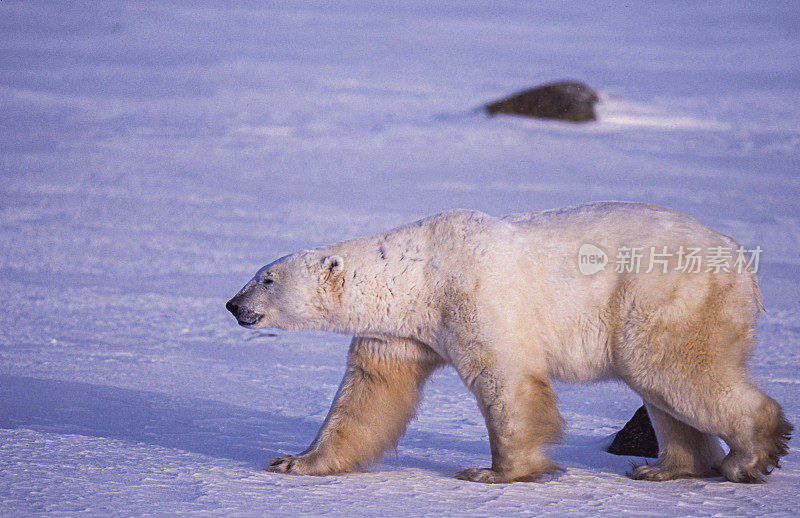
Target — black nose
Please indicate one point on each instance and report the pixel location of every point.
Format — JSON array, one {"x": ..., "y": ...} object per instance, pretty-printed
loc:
[{"x": 233, "y": 308}]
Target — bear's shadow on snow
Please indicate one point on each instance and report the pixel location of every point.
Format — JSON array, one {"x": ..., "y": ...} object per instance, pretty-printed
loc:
[
  {"x": 218, "y": 429},
  {"x": 195, "y": 425}
]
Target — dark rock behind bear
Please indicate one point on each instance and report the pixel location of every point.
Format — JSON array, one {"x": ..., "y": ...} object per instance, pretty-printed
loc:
[
  {"x": 568, "y": 101},
  {"x": 636, "y": 438}
]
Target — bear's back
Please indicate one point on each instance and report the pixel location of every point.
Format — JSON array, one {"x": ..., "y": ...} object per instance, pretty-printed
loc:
[{"x": 616, "y": 224}]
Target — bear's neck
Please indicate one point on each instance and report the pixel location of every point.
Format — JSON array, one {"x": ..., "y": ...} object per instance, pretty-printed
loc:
[{"x": 383, "y": 285}]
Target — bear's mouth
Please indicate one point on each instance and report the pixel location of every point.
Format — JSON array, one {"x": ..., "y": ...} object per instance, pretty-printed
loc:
[{"x": 253, "y": 320}]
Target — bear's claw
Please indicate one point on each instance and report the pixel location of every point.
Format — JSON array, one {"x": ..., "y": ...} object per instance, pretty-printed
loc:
[
  {"x": 490, "y": 476},
  {"x": 660, "y": 471},
  {"x": 282, "y": 464},
  {"x": 485, "y": 475},
  {"x": 304, "y": 464}
]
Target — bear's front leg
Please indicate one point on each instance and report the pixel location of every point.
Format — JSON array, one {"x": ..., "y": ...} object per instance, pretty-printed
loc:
[
  {"x": 376, "y": 399},
  {"x": 522, "y": 418}
]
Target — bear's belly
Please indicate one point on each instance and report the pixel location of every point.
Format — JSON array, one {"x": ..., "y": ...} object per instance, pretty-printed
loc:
[{"x": 579, "y": 362}]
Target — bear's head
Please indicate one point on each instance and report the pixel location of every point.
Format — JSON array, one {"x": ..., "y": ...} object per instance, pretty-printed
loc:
[{"x": 296, "y": 292}]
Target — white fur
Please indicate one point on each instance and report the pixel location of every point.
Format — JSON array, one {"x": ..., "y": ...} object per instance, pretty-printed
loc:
[{"x": 503, "y": 301}]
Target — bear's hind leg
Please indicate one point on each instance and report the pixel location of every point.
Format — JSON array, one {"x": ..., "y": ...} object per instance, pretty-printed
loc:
[
  {"x": 522, "y": 419},
  {"x": 376, "y": 399},
  {"x": 757, "y": 439},
  {"x": 688, "y": 358},
  {"x": 684, "y": 452},
  {"x": 728, "y": 406}
]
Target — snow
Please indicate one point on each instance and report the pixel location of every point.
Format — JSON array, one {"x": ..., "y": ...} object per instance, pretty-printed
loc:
[{"x": 154, "y": 155}]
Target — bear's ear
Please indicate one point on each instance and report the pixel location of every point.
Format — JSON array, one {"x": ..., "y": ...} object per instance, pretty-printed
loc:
[{"x": 333, "y": 265}]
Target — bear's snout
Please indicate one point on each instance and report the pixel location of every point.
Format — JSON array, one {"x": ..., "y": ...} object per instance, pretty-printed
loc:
[
  {"x": 232, "y": 307},
  {"x": 244, "y": 316}
]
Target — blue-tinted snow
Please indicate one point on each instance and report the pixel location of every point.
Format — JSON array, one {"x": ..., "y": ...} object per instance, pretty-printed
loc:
[{"x": 153, "y": 155}]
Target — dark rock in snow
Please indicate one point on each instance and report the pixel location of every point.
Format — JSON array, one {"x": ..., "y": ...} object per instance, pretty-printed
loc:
[
  {"x": 636, "y": 438},
  {"x": 568, "y": 101}
]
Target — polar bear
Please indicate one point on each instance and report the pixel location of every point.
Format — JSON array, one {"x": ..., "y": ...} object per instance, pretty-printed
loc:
[{"x": 504, "y": 301}]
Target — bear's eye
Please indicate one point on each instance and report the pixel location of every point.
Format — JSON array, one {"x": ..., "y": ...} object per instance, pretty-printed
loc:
[{"x": 266, "y": 280}]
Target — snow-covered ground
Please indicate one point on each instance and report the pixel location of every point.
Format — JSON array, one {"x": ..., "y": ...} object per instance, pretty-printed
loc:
[{"x": 154, "y": 154}]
